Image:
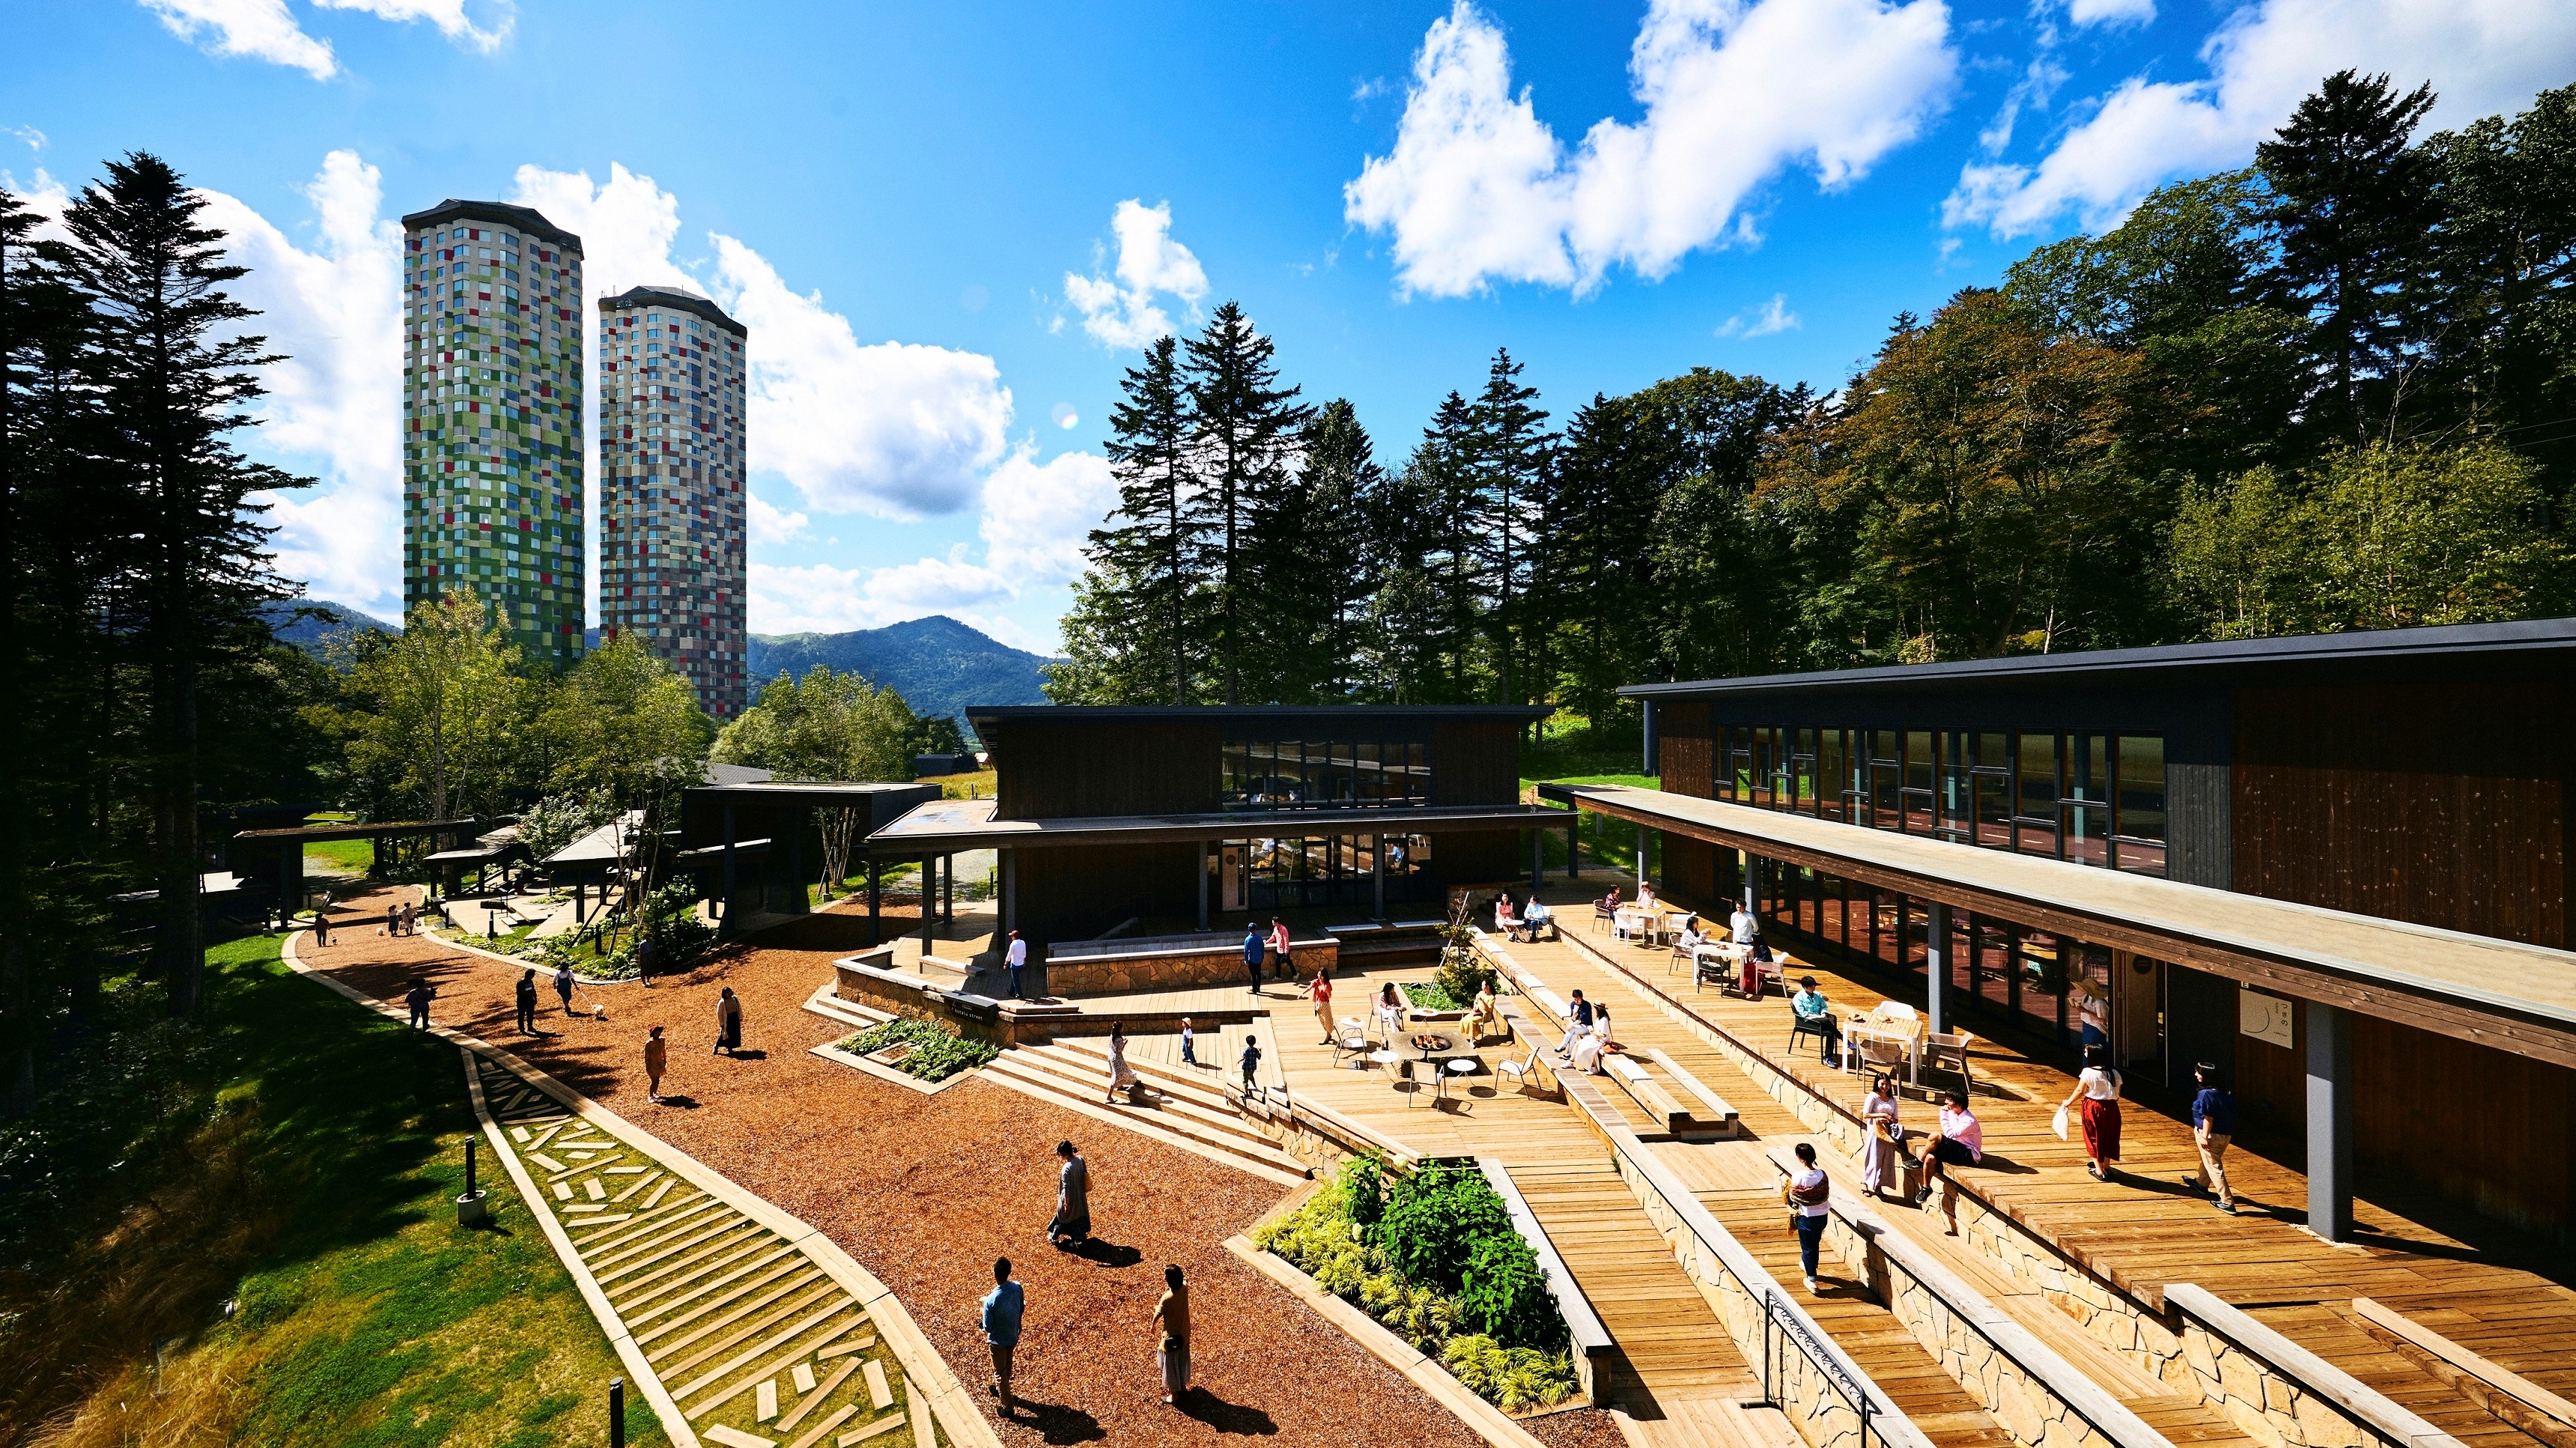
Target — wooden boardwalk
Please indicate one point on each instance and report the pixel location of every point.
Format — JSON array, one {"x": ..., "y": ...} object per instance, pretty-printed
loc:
[{"x": 1669, "y": 1342}]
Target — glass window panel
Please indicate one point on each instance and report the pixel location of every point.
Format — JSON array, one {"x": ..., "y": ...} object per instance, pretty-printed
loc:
[
  {"x": 2138, "y": 823},
  {"x": 2036, "y": 829},
  {"x": 1758, "y": 769},
  {"x": 1831, "y": 780}
]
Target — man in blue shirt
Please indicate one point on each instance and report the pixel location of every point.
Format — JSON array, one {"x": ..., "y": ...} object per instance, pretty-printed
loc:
[
  {"x": 1003, "y": 1307},
  {"x": 1815, "y": 1015},
  {"x": 2213, "y": 1121},
  {"x": 1254, "y": 949}
]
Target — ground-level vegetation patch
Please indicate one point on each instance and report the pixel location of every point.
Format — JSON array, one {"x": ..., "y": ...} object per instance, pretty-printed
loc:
[{"x": 920, "y": 1049}]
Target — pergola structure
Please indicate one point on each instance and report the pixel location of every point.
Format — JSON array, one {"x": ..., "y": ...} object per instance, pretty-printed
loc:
[{"x": 276, "y": 856}]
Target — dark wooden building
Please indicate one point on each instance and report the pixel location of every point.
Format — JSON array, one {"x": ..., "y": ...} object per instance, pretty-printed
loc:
[
  {"x": 2417, "y": 776},
  {"x": 1103, "y": 814}
]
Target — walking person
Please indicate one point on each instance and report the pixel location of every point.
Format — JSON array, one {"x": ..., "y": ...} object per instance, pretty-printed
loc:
[
  {"x": 2098, "y": 1087},
  {"x": 728, "y": 1022},
  {"x": 1172, "y": 1346},
  {"x": 1962, "y": 1142},
  {"x": 563, "y": 986},
  {"x": 2094, "y": 1015},
  {"x": 1189, "y": 1043},
  {"x": 1319, "y": 994},
  {"x": 1122, "y": 1077},
  {"x": 1806, "y": 1193},
  {"x": 393, "y": 921},
  {"x": 1254, "y": 949},
  {"x": 322, "y": 924},
  {"x": 419, "y": 997},
  {"x": 657, "y": 1058},
  {"x": 1251, "y": 1065},
  {"x": 1016, "y": 957},
  {"x": 525, "y": 995},
  {"x": 1072, "y": 1222},
  {"x": 2213, "y": 1122},
  {"x": 1004, "y": 1307},
  {"x": 1742, "y": 927},
  {"x": 1281, "y": 960},
  {"x": 1884, "y": 1147}
]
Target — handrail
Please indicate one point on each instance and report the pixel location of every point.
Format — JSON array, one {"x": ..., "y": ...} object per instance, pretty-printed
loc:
[{"x": 1778, "y": 1311}]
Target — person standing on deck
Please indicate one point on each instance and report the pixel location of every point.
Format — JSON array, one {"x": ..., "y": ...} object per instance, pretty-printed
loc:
[
  {"x": 1319, "y": 992},
  {"x": 1742, "y": 927},
  {"x": 1254, "y": 949},
  {"x": 1017, "y": 958},
  {"x": 1884, "y": 1146},
  {"x": 1281, "y": 960},
  {"x": 2098, "y": 1087},
  {"x": 1004, "y": 1309},
  {"x": 2213, "y": 1122},
  {"x": 1072, "y": 1223},
  {"x": 1806, "y": 1193}
]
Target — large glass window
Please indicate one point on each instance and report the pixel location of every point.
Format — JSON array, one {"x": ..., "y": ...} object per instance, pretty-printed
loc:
[
  {"x": 2138, "y": 809},
  {"x": 1279, "y": 874},
  {"x": 1287, "y": 774}
]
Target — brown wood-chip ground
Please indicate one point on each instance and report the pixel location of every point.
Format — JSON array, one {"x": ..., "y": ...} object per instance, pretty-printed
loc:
[{"x": 924, "y": 1191}]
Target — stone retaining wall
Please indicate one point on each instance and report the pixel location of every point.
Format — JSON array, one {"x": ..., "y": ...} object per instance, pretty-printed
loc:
[{"x": 1094, "y": 974}]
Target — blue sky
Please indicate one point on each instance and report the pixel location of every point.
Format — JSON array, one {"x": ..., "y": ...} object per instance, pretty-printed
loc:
[{"x": 948, "y": 227}]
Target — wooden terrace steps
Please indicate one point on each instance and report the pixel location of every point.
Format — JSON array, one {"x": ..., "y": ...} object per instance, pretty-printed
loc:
[
  {"x": 1739, "y": 1186},
  {"x": 2139, "y": 1232},
  {"x": 1184, "y": 1112},
  {"x": 2333, "y": 1332},
  {"x": 1672, "y": 1344}
]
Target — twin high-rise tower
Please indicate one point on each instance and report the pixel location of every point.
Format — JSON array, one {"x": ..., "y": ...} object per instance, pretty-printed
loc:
[{"x": 492, "y": 426}]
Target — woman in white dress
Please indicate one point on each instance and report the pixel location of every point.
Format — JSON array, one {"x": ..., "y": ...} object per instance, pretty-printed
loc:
[
  {"x": 1588, "y": 1045},
  {"x": 1880, "y": 1152},
  {"x": 1121, "y": 1075}
]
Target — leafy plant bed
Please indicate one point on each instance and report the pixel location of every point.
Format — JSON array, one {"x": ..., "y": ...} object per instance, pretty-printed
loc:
[
  {"x": 1435, "y": 1259},
  {"x": 933, "y": 1055},
  {"x": 1432, "y": 996}
]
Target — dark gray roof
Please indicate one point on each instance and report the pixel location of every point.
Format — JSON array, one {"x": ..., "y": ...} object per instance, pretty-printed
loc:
[
  {"x": 2449, "y": 641},
  {"x": 500, "y": 213},
  {"x": 678, "y": 300}
]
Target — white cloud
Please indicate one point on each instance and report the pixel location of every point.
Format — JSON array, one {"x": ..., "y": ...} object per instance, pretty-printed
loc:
[
  {"x": 771, "y": 525},
  {"x": 334, "y": 407},
  {"x": 256, "y": 29},
  {"x": 448, "y": 15},
  {"x": 267, "y": 30},
  {"x": 895, "y": 429},
  {"x": 2482, "y": 56},
  {"x": 1036, "y": 519},
  {"x": 2111, "y": 12},
  {"x": 1121, "y": 309},
  {"x": 1772, "y": 316},
  {"x": 1478, "y": 189},
  {"x": 889, "y": 429}
]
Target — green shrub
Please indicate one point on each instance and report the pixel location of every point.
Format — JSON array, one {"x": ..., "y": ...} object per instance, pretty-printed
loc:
[
  {"x": 1435, "y": 1217},
  {"x": 1505, "y": 1295},
  {"x": 1511, "y": 1378},
  {"x": 1362, "y": 1186},
  {"x": 937, "y": 1054},
  {"x": 1431, "y": 995}
]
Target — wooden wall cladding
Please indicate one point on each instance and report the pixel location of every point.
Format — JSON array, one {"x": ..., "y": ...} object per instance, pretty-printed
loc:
[
  {"x": 1478, "y": 857},
  {"x": 2432, "y": 1112},
  {"x": 1685, "y": 748},
  {"x": 2444, "y": 807},
  {"x": 1690, "y": 870},
  {"x": 1050, "y": 770},
  {"x": 1076, "y": 894},
  {"x": 1475, "y": 761}
]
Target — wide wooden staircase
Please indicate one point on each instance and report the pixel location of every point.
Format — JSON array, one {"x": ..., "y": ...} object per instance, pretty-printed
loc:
[{"x": 1181, "y": 1106}]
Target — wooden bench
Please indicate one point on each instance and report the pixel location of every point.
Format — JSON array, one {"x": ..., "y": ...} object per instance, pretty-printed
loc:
[
  {"x": 1713, "y": 1110},
  {"x": 1671, "y": 1116}
]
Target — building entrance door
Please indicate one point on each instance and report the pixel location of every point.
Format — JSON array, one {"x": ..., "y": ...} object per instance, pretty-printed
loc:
[{"x": 2138, "y": 1015}]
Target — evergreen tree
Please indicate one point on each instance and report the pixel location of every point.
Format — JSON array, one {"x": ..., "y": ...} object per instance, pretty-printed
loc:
[
  {"x": 1441, "y": 481},
  {"x": 2353, "y": 213},
  {"x": 1152, "y": 545},
  {"x": 172, "y": 371},
  {"x": 1242, "y": 454},
  {"x": 1509, "y": 461},
  {"x": 1339, "y": 488}
]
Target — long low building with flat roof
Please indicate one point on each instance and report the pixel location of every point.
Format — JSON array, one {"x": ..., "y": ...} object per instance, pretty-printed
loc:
[{"x": 2333, "y": 866}]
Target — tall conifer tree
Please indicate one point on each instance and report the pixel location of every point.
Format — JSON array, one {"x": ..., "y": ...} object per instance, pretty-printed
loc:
[
  {"x": 1242, "y": 451},
  {"x": 1152, "y": 545}
]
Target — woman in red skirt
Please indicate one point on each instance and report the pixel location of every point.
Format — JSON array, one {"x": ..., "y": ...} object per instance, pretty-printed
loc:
[{"x": 2097, "y": 1088}]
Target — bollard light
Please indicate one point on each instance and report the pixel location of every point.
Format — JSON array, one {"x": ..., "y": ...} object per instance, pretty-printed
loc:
[{"x": 616, "y": 1413}]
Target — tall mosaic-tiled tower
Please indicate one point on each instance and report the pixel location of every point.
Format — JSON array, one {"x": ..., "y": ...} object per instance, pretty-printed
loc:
[
  {"x": 492, "y": 418},
  {"x": 671, "y": 537}
]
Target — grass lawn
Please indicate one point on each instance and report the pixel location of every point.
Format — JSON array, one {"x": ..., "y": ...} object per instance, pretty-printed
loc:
[
  {"x": 298, "y": 1157},
  {"x": 975, "y": 784},
  {"x": 350, "y": 857}
]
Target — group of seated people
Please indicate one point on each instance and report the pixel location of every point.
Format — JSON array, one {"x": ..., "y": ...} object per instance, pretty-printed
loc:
[
  {"x": 1587, "y": 1035},
  {"x": 1525, "y": 926}
]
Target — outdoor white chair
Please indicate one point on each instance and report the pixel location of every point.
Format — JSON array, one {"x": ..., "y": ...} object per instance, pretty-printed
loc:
[{"x": 1518, "y": 1070}]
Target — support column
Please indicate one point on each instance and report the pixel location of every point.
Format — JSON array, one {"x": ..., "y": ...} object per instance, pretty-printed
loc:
[
  {"x": 727, "y": 918},
  {"x": 2329, "y": 1121},
  {"x": 1377, "y": 874},
  {"x": 948, "y": 890},
  {"x": 1574, "y": 847},
  {"x": 929, "y": 899},
  {"x": 1007, "y": 862},
  {"x": 876, "y": 923},
  {"x": 1936, "y": 964},
  {"x": 1203, "y": 884},
  {"x": 1641, "y": 855},
  {"x": 1538, "y": 861},
  {"x": 1752, "y": 886}
]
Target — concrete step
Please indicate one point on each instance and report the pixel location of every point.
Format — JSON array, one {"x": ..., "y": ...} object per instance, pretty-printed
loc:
[
  {"x": 1186, "y": 1101},
  {"x": 1229, "y": 1141}
]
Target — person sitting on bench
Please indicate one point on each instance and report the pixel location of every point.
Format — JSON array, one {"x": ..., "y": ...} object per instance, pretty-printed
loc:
[
  {"x": 1535, "y": 919},
  {"x": 1815, "y": 1016}
]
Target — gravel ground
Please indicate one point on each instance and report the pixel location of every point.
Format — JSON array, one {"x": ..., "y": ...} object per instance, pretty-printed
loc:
[
  {"x": 926, "y": 1190},
  {"x": 1578, "y": 1428}
]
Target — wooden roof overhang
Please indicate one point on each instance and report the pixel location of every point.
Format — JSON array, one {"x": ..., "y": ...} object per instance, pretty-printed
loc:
[
  {"x": 947, "y": 826},
  {"x": 2501, "y": 993}
]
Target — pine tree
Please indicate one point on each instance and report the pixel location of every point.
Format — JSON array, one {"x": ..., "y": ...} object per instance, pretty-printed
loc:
[
  {"x": 1339, "y": 487},
  {"x": 1152, "y": 546},
  {"x": 172, "y": 371},
  {"x": 2353, "y": 213},
  {"x": 1242, "y": 445},
  {"x": 1510, "y": 461},
  {"x": 1441, "y": 479}
]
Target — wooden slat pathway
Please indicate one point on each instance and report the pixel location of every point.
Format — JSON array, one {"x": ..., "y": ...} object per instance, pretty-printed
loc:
[{"x": 1670, "y": 1342}]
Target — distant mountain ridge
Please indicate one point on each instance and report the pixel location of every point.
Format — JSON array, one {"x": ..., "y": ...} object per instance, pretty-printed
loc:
[
  {"x": 318, "y": 622},
  {"x": 938, "y": 665}
]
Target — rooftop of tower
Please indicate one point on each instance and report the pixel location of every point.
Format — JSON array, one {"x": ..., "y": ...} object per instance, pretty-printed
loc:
[{"x": 525, "y": 218}]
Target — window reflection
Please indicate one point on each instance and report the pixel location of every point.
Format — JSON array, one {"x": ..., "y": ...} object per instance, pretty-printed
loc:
[{"x": 1274, "y": 774}]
